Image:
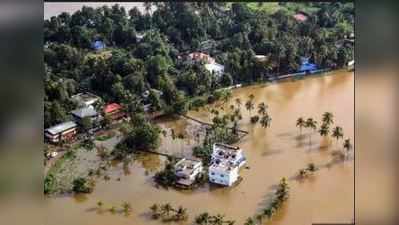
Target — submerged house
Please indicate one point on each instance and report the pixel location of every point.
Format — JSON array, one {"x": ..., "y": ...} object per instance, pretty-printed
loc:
[
  {"x": 61, "y": 132},
  {"x": 306, "y": 66},
  {"x": 225, "y": 164},
  {"x": 187, "y": 170}
]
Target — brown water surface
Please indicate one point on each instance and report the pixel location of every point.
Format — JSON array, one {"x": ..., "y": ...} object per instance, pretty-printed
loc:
[{"x": 272, "y": 153}]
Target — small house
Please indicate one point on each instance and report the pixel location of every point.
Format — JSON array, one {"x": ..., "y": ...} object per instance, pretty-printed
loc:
[
  {"x": 61, "y": 132},
  {"x": 260, "y": 58},
  {"x": 300, "y": 17},
  {"x": 306, "y": 66},
  {"x": 187, "y": 170},
  {"x": 98, "y": 45},
  {"x": 215, "y": 68},
  {"x": 114, "y": 111},
  {"x": 199, "y": 56}
]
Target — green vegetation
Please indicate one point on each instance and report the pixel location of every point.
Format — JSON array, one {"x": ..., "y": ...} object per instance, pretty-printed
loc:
[
  {"x": 142, "y": 136},
  {"x": 312, "y": 125},
  {"x": 309, "y": 170},
  {"x": 167, "y": 177},
  {"x": 82, "y": 185},
  {"x": 301, "y": 124},
  {"x": 167, "y": 213},
  {"x": 125, "y": 208},
  {"x": 207, "y": 219},
  {"x": 280, "y": 196},
  {"x": 131, "y": 65}
]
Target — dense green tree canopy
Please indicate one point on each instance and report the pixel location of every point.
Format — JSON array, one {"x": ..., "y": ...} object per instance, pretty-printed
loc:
[{"x": 145, "y": 50}]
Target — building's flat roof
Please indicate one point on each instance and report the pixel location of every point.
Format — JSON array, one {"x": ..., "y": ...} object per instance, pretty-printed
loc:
[
  {"x": 214, "y": 66},
  {"x": 187, "y": 166},
  {"x": 85, "y": 97},
  {"x": 222, "y": 165},
  {"x": 226, "y": 147},
  {"x": 61, "y": 127},
  {"x": 84, "y": 112}
]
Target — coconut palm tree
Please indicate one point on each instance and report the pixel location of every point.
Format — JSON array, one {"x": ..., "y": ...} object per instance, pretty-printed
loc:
[
  {"x": 249, "y": 105},
  {"x": 328, "y": 118},
  {"x": 251, "y": 97},
  {"x": 311, "y": 167},
  {"x": 155, "y": 211},
  {"x": 181, "y": 213},
  {"x": 324, "y": 130},
  {"x": 238, "y": 102},
  {"x": 337, "y": 133},
  {"x": 262, "y": 107},
  {"x": 203, "y": 218},
  {"x": 218, "y": 219},
  {"x": 265, "y": 121},
  {"x": 127, "y": 208},
  {"x": 312, "y": 125},
  {"x": 300, "y": 122},
  {"x": 237, "y": 114},
  {"x": 348, "y": 145},
  {"x": 166, "y": 209}
]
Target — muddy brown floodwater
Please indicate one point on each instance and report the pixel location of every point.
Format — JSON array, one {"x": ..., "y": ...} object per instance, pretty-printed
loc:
[{"x": 272, "y": 153}]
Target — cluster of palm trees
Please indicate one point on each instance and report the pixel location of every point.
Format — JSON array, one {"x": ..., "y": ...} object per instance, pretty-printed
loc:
[
  {"x": 263, "y": 116},
  {"x": 168, "y": 213},
  {"x": 126, "y": 208},
  {"x": 324, "y": 130},
  {"x": 281, "y": 196},
  {"x": 207, "y": 219}
]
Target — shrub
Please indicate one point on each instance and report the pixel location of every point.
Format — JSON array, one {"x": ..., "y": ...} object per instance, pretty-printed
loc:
[
  {"x": 254, "y": 119},
  {"x": 82, "y": 185},
  {"x": 49, "y": 182}
]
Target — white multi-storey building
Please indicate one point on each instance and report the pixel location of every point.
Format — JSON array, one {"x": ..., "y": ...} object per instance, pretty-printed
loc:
[
  {"x": 187, "y": 171},
  {"x": 225, "y": 164}
]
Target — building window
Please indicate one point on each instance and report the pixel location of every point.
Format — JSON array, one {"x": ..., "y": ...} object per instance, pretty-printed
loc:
[
  {"x": 212, "y": 173},
  {"x": 221, "y": 175}
]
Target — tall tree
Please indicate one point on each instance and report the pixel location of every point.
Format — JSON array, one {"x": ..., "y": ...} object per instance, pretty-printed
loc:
[
  {"x": 262, "y": 108},
  {"x": 337, "y": 133},
  {"x": 300, "y": 123},
  {"x": 312, "y": 125}
]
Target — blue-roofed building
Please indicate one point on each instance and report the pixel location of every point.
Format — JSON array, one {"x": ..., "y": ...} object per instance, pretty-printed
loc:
[
  {"x": 98, "y": 45},
  {"x": 306, "y": 66}
]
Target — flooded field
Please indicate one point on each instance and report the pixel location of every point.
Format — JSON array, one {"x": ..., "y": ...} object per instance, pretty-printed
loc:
[{"x": 272, "y": 153}]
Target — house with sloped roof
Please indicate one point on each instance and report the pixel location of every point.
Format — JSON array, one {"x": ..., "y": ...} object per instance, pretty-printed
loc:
[
  {"x": 306, "y": 66},
  {"x": 114, "y": 111},
  {"x": 98, "y": 45}
]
